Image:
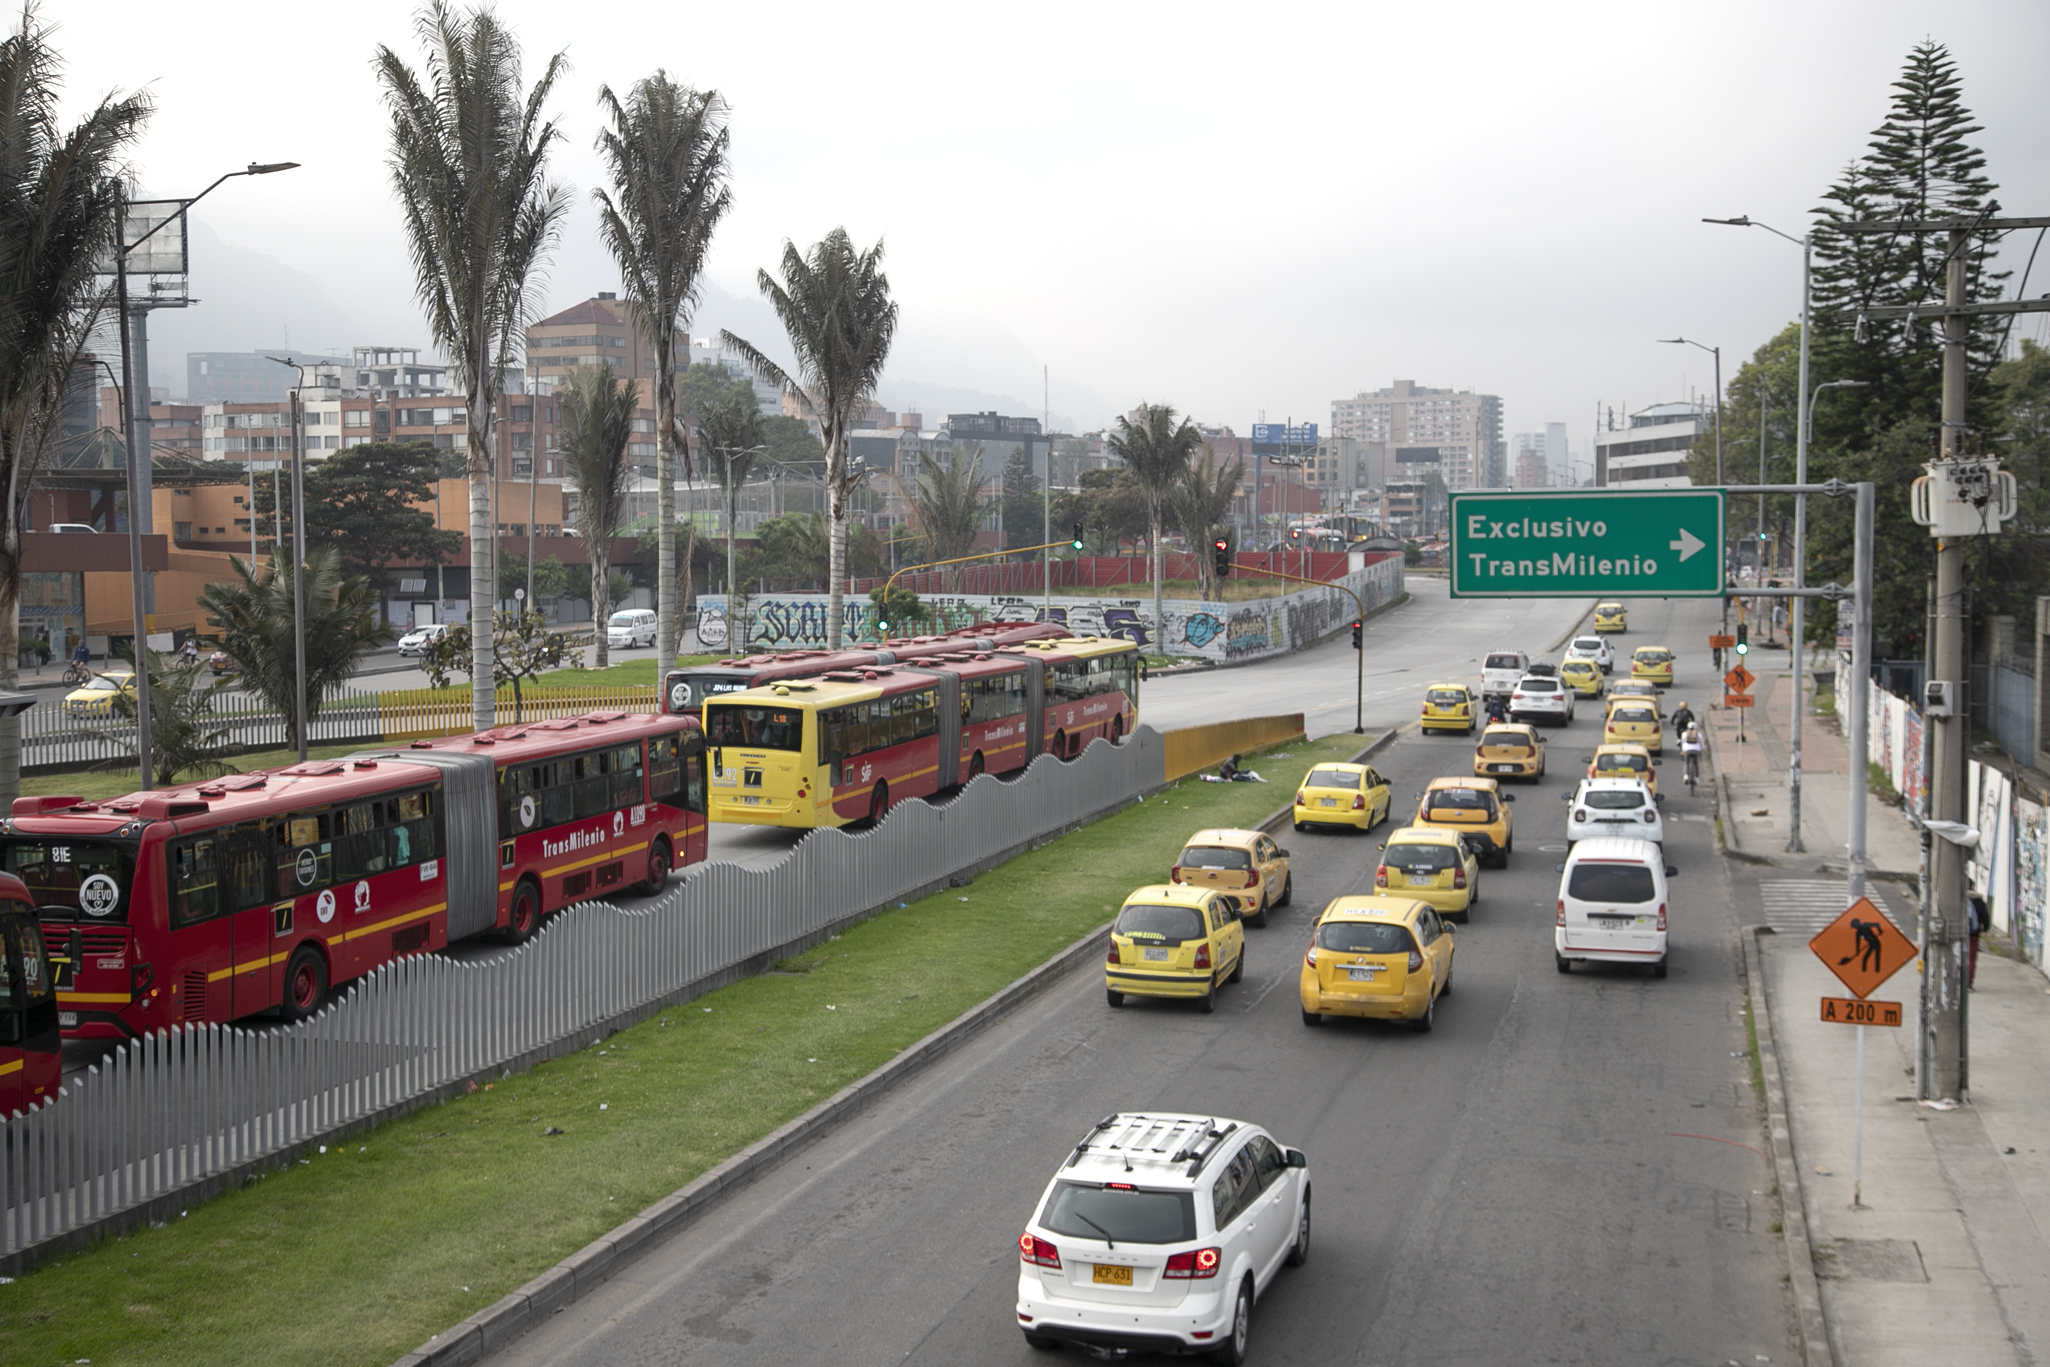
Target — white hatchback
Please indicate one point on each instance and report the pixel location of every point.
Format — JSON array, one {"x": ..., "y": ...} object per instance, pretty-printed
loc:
[
  {"x": 1594, "y": 648},
  {"x": 1541, "y": 697},
  {"x": 1621, "y": 807},
  {"x": 1612, "y": 905},
  {"x": 1159, "y": 1233}
]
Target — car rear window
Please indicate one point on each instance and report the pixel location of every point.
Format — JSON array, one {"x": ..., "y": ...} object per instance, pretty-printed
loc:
[
  {"x": 1631, "y": 762},
  {"x": 1653, "y": 657},
  {"x": 1611, "y": 883},
  {"x": 1505, "y": 740},
  {"x": 1446, "y": 697},
  {"x": 1364, "y": 937},
  {"x": 1613, "y": 799},
  {"x": 1420, "y": 858},
  {"x": 1539, "y": 685},
  {"x": 1504, "y": 662},
  {"x": 1588, "y": 643},
  {"x": 1215, "y": 857},
  {"x": 1152, "y": 921},
  {"x": 1332, "y": 778},
  {"x": 1129, "y": 1215},
  {"x": 1633, "y": 714}
]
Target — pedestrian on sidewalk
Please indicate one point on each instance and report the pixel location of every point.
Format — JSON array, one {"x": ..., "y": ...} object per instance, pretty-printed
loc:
[{"x": 1975, "y": 921}]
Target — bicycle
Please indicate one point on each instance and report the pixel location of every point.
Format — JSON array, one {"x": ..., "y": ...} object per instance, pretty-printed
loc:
[
  {"x": 1693, "y": 758},
  {"x": 76, "y": 674}
]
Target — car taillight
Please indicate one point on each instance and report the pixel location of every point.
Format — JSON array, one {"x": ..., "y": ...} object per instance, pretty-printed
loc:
[
  {"x": 1196, "y": 1265},
  {"x": 1650, "y": 815},
  {"x": 1037, "y": 1251},
  {"x": 1459, "y": 878},
  {"x": 1381, "y": 876},
  {"x": 1560, "y": 918},
  {"x": 1662, "y": 916},
  {"x": 1174, "y": 875},
  {"x": 1480, "y": 749},
  {"x": 1359, "y": 802},
  {"x": 1310, "y": 959},
  {"x": 1580, "y": 813},
  {"x": 1301, "y": 801},
  {"x": 1252, "y": 878},
  {"x": 1113, "y": 958},
  {"x": 1203, "y": 955},
  {"x": 1416, "y": 961}
]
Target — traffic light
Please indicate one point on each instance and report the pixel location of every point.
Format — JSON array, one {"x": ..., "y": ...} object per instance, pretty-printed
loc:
[
  {"x": 1743, "y": 639},
  {"x": 1356, "y": 629},
  {"x": 882, "y": 627},
  {"x": 1295, "y": 533},
  {"x": 1076, "y": 540},
  {"x": 1221, "y": 552}
]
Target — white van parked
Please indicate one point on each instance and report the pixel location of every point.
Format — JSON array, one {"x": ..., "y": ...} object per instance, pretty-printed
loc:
[
  {"x": 1612, "y": 905},
  {"x": 630, "y": 627},
  {"x": 1500, "y": 671}
]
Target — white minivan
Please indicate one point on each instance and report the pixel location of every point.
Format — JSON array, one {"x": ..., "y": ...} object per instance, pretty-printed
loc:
[
  {"x": 1612, "y": 905},
  {"x": 1500, "y": 671},
  {"x": 630, "y": 627}
]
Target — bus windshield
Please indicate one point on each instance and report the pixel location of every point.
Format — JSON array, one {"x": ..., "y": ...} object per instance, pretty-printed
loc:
[
  {"x": 73, "y": 879},
  {"x": 754, "y": 728}
]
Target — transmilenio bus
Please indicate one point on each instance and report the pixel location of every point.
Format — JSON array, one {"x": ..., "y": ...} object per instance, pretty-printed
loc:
[
  {"x": 846, "y": 745},
  {"x": 258, "y": 892},
  {"x": 31, "y": 1057}
]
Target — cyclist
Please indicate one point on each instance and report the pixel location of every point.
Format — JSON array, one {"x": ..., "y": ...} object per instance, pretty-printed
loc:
[
  {"x": 81, "y": 663},
  {"x": 1690, "y": 753},
  {"x": 1683, "y": 717}
]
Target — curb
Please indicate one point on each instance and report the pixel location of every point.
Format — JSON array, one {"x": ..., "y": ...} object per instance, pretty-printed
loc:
[
  {"x": 1813, "y": 1329},
  {"x": 575, "y": 1276}
]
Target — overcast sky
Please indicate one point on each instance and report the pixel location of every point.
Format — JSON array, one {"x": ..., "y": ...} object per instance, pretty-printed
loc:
[{"x": 1234, "y": 209}]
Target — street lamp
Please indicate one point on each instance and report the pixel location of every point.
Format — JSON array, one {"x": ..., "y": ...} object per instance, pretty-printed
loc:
[
  {"x": 139, "y": 482},
  {"x": 298, "y": 553},
  {"x": 1806, "y": 242},
  {"x": 1716, "y": 352}
]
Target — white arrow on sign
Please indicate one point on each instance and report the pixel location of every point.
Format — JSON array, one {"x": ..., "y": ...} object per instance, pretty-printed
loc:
[{"x": 1687, "y": 545}]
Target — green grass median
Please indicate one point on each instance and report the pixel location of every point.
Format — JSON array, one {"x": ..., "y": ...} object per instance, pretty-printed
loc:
[{"x": 355, "y": 1256}]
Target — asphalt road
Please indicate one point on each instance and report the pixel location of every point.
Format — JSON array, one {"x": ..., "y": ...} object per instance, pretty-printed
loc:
[{"x": 1566, "y": 1170}]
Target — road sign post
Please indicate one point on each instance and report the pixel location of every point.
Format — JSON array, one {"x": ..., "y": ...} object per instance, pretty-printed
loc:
[
  {"x": 1863, "y": 949},
  {"x": 1578, "y": 543}
]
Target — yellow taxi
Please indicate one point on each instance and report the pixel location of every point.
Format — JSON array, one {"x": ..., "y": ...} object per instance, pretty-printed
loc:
[
  {"x": 95, "y": 698},
  {"x": 1384, "y": 958},
  {"x": 1510, "y": 750},
  {"x": 1247, "y": 865},
  {"x": 1638, "y": 688},
  {"x": 1636, "y": 721},
  {"x": 1343, "y": 795},
  {"x": 1653, "y": 663},
  {"x": 1450, "y": 707},
  {"x": 1625, "y": 760},
  {"x": 1611, "y": 617},
  {"x": 1174, "y": 942},
  {"x": 1582, "y": 676},
  {"x": 1475, "y": 808},
  {"x": 1432, "y": 865}
]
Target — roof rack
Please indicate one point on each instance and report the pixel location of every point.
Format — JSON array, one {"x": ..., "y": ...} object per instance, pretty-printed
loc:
[{"x": 1154, "y": 1139}]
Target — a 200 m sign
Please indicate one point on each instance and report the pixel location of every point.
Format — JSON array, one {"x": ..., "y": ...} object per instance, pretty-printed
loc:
[{"x": 1610, "y": 543}]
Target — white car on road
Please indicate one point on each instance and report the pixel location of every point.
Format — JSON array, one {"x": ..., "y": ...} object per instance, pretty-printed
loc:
[
  {"x": 1614, "y": 806},
  {"x": 1541, "y": 697},
  {"x": 1612, "y": 905},
  {"x": 1594, "y": 648},
  {"x": 420, "y": 640},
  {"x": 1159, "y": 1233}
]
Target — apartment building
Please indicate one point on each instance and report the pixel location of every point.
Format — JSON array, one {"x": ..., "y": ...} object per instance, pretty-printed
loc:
[
  {"x": 1649, "y": 451},
  {"x": 1455, "y": 433}
]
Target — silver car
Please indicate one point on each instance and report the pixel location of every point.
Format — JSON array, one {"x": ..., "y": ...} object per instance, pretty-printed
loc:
[{"x": 1594, "y": 648}]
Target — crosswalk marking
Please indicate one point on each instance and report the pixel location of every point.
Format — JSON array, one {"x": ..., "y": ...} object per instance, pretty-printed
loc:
[{"x": 1802, "y": 906}]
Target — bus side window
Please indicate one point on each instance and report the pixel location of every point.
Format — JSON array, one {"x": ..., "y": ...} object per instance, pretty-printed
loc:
[
  {"x": 304, "y": 854},
  {"x": 558, "y": 793},
  {"x": 627, "y": 789},
  {"x": 195, "y": 888},
  {"x": 244, "y": 859},
  {"x": 694, "y": 784},
  {"x": 416, "y": 838},
  {"x": 12, "y": 997},
  {"x": 662, "y": 768},
  {"x": 593, "y": 783},
  {"x": 362, "y": 847}
]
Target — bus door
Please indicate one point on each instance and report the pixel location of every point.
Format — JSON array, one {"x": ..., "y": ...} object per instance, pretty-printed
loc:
[
  {"x": 204, "y": 972},
  {"x": 31, "y": 1061},
  {"x": 241, "y": 868}
]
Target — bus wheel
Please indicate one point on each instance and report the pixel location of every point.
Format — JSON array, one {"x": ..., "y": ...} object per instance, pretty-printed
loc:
[
  {"x": 305, "y": 983},
  {"x": 878, "y": 803},
  {"x": 525, "y": 917},
  {"x": 658, "y": 866},
  {"x": 975, "y": 767}
]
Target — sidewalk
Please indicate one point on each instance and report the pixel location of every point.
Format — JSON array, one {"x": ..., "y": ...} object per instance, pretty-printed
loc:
[{"x": 1944, "y": 1258}]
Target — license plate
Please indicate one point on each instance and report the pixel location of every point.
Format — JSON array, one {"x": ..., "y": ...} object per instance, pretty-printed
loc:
[
  {"x": 1614, "y": 922},
  {"x": 750, "y": 801},
  {"x": 1422, "y": 880},
  {"x": 1106, "y": 1275},
  {"x": 67, "y": 1020},
  {"x": 1501, "y": 768},
  {"x": 1362, "y": 975},
  {"x": 1154, "y": 955},
  {"x": 1327, "y": 802}
]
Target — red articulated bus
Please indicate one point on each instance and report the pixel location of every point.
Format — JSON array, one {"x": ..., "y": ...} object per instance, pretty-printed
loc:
[
  {"x": 259, "y": 892},
  {"x": 685, "y": 690},
  {"x": 31, "y": 1058}
]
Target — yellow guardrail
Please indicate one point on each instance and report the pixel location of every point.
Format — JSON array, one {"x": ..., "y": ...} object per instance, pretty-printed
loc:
[
  {"x": 426, "y": 713},
  {"x": 1198, "y": 747}
]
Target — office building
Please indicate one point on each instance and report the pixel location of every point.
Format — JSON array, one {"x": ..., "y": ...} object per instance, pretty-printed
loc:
[
  {"x": 243, "y": 376},
  {"x": 1455, "y": 433},
  {"x": 1649, "y": 451}
]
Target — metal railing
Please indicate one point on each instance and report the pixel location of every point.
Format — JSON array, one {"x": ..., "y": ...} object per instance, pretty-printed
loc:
[{"x": 175, "y": 1115}]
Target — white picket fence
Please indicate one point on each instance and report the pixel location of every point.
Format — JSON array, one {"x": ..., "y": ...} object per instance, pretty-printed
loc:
[{"x": 171, "y": 1114}]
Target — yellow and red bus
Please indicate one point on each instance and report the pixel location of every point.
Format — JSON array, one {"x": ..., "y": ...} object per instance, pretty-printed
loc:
[
  {"x": 847, "y": 744},
  {"x": 257, "y": 893},
  {"x": 31, "y": 1058}
]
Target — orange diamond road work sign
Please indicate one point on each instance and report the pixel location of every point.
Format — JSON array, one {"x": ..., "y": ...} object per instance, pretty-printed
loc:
[
  {"x": 1739, "y": 680},
  {"x": 1863, "y": 948},
  {"x": 1721, "y": 642},
  {"x": 1851, "y": 1011},
  {"x": 1739, "y": 700}
]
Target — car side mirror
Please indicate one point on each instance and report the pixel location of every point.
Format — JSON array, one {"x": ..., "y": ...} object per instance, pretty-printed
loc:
[
  {"x": 1558, "y": 868},
  {"x": 1281, "y": 853},
  {"x": 1296, "y": 1158},
  {"x": 1383, "y": 845},
  {"x": 1658, "y": 761},
  {"x": 1446, "y": 926},
  {"x": 1565, "y": 797},
  {"x": 1509, "y": 797},
  {"x": 1658, "y": 799}
]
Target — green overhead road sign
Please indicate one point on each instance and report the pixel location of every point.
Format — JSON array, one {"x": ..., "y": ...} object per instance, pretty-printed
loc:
[{"x": 1575, "y": 543}]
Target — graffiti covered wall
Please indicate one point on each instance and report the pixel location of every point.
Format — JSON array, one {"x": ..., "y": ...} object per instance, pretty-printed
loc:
[{"x": 1224, "y": 632}]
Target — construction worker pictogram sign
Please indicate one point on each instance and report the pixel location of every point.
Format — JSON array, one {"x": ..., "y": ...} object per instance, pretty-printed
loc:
[
  {"x": 1863, "y": 948},
  {"x": 1739, "y": 680}
]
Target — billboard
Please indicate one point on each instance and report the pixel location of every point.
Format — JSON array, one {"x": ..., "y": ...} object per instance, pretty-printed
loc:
[
  {"x": 162, "y": 223},
  {"x": 1269, "y": 437}
]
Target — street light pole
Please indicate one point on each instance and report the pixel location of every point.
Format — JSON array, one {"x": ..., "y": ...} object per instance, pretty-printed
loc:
[
  {"x": 1716, "y": 352},
  {"x": 298, "y": 553}
]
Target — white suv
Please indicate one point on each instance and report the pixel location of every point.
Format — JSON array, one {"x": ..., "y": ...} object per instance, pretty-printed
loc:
[
  {"x": 1614, "y": 806},
  {"x": 1594, "y": 648},
  {"x": 1612, "y": 905},
  {"x": 1159, "y": 1233},
  {"x": 1541, "y": 697}
]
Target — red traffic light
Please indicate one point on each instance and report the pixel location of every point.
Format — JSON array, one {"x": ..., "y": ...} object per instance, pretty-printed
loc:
[{"x": 1221, "y": 544}]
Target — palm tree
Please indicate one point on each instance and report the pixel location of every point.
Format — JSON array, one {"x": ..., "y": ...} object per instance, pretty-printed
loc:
[
  {"x": 59, "y": 202},
  {"x": 597, "y": 423},
  {"x": 667, "y": 154},
  {"x": 1156, "y": 450},
  {"x": 255, "y": 619},
  {"x": 951, "y": 505},
  {"x": 186, "y": 735},
  {"x": 468, "y": 159},
  {"x": 1201, "y": 502},
  {"x": 835, "y": 305},
  {"x": 730, "y": 435}
]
